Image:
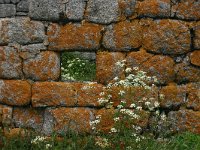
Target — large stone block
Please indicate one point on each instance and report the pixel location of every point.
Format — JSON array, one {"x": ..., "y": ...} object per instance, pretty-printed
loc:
[
  {"x": 6, "y": 115},
  {"x": 174, "y": 96},
  {"x": 153, "y": 8},
  {"x": 167, "y": 37},
  {"x": 10, "y": 63},
  {"x": 162, "y": 67},
  {"x": 184, "y": 120},
  {"x": 123, "y": 36},
  {"x": 63, "y": 120},
  {"x": 186, "y": 9},
  {"x": 186, "y": 73},
  {"x": 7, "y": 10},
  {"x": 65, "y": 94},
  {"x": 28, "y": 118},
  {"x": 106, "y": 68},
  {"x": 74, "y": 37},
  {"x": 103, "y": 11},
  {"x": 74, "y": 9},
  {"x": 45, "y": 9},
  {"x": 44, "y": 66},
  {"x": 15, "y": 92},
  {"x": 195, "y": 58},
  {"x": 23, "y": 6},
  {"x": 21, "y": 30}
]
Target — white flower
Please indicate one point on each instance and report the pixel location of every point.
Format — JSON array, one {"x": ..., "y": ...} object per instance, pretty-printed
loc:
[
  {"x": 120, "y": 106},
  {"x": 132, "y": 105},
  {"x": 156, "y": 104},
  {"x": 162, "y": 96},
  {"x": 135, "y": 68},
  {"x": 102, "y": 94},
  {"x": 139, "y": 108},
  {"x": 163, "y": 117},
  {"x": 47, "y": 146},
  {"x": 147, "y": 103},
  {"x": 116, "y": 119},
  {"x": 128, "y": 70},
  {"x": 113, "y": 130},
  {"x": 116, "y": 78},
  {"x": 121, "y": 93}
]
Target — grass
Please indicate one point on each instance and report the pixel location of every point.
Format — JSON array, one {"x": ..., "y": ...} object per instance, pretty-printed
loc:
[{"x": 184, "y": 141}]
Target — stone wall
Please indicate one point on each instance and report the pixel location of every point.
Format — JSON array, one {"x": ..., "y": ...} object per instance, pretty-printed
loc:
[{"x": 161, "y": 37}]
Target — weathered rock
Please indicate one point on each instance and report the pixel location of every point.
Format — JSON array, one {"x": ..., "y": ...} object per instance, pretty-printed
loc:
[
  {"x": 159, "y": 66},
  {"x": 127, "y": 8},
  {"x": 49, "y": 10},
  {"x": 103, "y": 11},
  {"x": 123, "y": 36},
  {"x": 74, "y": 9},
  {"x": 195, "y": 58},
  {"x": 174, "y": 96},
  {"x": 28, "y": 118},
  {"x": 21, "y": 30},
  {"x": 84, "y": 55},
  {"x": 106, "y": 68},
  {"x": 14, "y": 1},
  {"x": 62, "y": 120},
  {"x": 23, "y": 6},
  {"x": 74, "y": 37},
  {"x": 153, "y": 8},
  {"x": 185, "y": 120},
  {"x": 197, "y": 37},
  {"x": 186, "y": 73},
  {"x": 7, "y": 10},
  {"x": 15, "y": 92},
  {"x": 186, "y": 9},
  {"x": 10, "y": 63},
  {"x": 44, "y": 66},
  {"x": 167, "y": 37},
  {"x": 65, "y": 94},
  {"x": 5, "y": 115}
]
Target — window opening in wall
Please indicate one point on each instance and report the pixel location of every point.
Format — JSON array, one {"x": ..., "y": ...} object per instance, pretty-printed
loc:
[{"x": 78, "y": 66}]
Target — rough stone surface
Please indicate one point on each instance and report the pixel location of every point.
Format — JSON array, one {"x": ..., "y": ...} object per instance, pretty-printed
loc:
[
  {"x": 195, "y": 58},
  {"x": 167, "y": 37},
  {"x": 74, "y": 37},
  {"x": 186, "y": 73},
  {"x": 7, "y": 10},
  {"x": 15, "y": 92},
  {"x": 65, "y": 94},
  {"x": 106, "y": 68},
  {"x": 186, "y": 9},
  {"x": 10, "y": 63},
  {"x": 159, "y": 66},
  {"x": 14, "y": 1},
  {"x": 44, "y": 66},
  {"x": 174, "y": 96},
  {"x": 153, "y": 8},
  {"x": 197, "y": 37},
  {"x": 62, "y": 120},
  {"x": 21, "y": 30},
  {"x": 185, "y": 120},
  {"x": 5, "y": 115},
  {"x": 28, "y": 118},
  {"x": 74, "y": 9},
  {"x": 123, "y": 36},
  {"x": 23, "y": 6},
  {"x": 50, "y": 10},
  {"x": 127, "y": 8},
  {"x": 103, "y": 11}
]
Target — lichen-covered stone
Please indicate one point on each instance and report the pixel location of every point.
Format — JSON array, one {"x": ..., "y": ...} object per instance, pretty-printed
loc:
[
  {"x": 184, "y": 120},
  {"x": 106, "y": 68},
  {"x": 44, "y": 66},
  {"x": 74, "y": 9},
  {"x": 162, "y": 67},
  {"x": 21, "y": 30},
  {"x": 62, "y": 120},
  {"x": 74, "y": 37},
  {"x": 28, "y": 118},
  {"x": 186, "y": 9},
  {"x": 10, "y": 63},
  {"x": 7, "y": 10},
  {"x": 6, "y": 115},
  {"x": 195, "y": 58},
  {"x": 197, "y": 37},
  {"x": 174, "y": 96},
  {"x": 23, "y": 6},
  {"x": 15, "y": 92},
  {"x": 167, "y": 37},
  {"x": 153, "y": 8},
  {"x": 127, "y": 8},
  {"x": 65, "y": 94},
  {"x": 123, "y": 36},
  {"x": 186, "y": 73},
  {"x": 49, "y": 10},
  {"x": 102, "y": 11}
]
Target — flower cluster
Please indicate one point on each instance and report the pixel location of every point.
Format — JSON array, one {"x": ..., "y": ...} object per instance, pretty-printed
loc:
[{"x": 38, "y": 139}]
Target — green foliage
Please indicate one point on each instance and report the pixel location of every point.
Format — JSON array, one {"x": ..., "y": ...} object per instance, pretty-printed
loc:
[{"x": 75, "y": 68}]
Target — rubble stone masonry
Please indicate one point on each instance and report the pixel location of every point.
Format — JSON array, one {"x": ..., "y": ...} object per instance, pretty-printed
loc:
[{"x": 161, "y": 37}]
